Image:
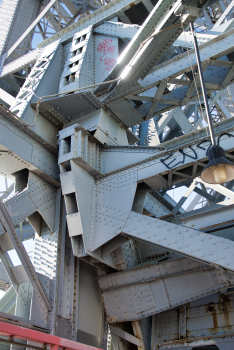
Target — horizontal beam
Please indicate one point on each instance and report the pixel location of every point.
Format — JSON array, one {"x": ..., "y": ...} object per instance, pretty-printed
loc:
[
  {"x": 116, "y": 29},
  {"x": 178, "y": 154},
  {"x": 22, "y": 322},
  {"x": 156, "y": 287}
]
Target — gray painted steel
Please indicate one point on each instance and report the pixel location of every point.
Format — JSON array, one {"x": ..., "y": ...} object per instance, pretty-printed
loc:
[{"x": 117, "y": 262}]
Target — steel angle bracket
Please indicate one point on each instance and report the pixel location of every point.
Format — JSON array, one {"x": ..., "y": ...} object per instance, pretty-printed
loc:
[{"x": 25, "y": 260}]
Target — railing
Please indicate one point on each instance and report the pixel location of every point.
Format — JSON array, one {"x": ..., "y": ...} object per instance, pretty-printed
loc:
[{"x": 11, "y": 334}]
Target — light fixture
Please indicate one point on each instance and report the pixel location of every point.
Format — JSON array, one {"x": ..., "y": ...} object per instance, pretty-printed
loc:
[{"x": 218, "y": 170}]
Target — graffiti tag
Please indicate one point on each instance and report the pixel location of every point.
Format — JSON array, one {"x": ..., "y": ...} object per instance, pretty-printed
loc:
[
  {"x": 106, "y": 47},
  {"x": 171, "y": 162}
]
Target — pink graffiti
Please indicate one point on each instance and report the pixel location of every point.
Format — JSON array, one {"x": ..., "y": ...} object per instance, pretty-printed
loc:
[
  {"x": 106, "y": 47},
  {"x": 109, "y": 63}
]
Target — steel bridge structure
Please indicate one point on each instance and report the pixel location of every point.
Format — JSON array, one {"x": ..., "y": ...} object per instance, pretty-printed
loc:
[{"x": 99, "y": 122}]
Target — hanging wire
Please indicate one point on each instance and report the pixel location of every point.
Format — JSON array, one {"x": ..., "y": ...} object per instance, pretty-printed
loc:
[
  {"x": 198, "y": 95},
  {"x": 62, "y": 93}
]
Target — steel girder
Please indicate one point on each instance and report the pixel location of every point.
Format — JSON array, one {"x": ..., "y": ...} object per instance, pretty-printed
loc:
[
  {"x": 103, "y": 178},
  {"x": 156, "y": 287}
]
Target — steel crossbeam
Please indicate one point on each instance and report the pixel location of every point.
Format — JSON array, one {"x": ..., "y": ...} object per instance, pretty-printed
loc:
[
  {"x": 172, "y": 69},
  {"x": 96, "y": 18},
  {"x": 151, "y": 289},
  {"x": 119, "y": 30}
]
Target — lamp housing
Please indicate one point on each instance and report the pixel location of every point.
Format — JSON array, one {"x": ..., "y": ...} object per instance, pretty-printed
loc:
[{"x": 218, "y": 170}]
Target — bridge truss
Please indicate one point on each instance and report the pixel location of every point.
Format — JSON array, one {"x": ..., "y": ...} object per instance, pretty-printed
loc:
[{"x": 98, "y": 124}]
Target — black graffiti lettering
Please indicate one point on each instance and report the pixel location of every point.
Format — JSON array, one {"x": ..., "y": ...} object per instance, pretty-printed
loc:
[
  {"x": 171, "y": 164},
  {"x": 168, "y": 166},
  {"x": 188, "y": 155},
  {"x": 224, "y": 134},
  {"x": 204, "y": 148}
]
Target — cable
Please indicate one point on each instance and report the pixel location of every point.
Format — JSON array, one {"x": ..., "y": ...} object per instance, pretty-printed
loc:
[
  {"x": 62, "y": 93},
  {"x": 193, "y": 72},
  {"x": 94, "y": 85},
  {"x": 161, "y": 31}
]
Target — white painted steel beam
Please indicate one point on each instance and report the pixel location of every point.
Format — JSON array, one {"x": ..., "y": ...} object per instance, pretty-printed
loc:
[
  {"x": 219, "y": 188},
  {"x": 117, "y": 29},
  {"x": 225, "y": 13},
  {"x": 30, "y": 28},
  {"x": 215, "y": 48},
  {"x": 7, "y": 98}
]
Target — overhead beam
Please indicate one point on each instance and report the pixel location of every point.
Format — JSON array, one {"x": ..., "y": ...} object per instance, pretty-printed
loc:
[
  {"x": 30, "y": 28},
  {"x": 225, "y": 13},
  {"x": 176, "y": 66}
]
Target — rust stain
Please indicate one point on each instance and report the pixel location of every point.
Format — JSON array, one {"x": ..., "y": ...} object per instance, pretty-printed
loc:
[
  {"x": 225, "y": 308},
  {"x": 211, "y": 308},
  {"x": 132, "y": 4},
  {"x": 215, "y": 319}
]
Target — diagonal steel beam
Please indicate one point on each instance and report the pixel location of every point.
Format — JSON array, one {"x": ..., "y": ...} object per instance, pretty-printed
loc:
[
  {"x": 219, "y": 188},
  {"x": 30, "y": 28},
  {"x": 26, "y": 262},
  {"x": 130, "y": 338},
  {"x": 183, "y": 240},
  {"x": 194, "y": 83},
  {"x": 178, "y": 65},
  {"x": 156, "y": 99},
  {"x": 225, "y": 13}
]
